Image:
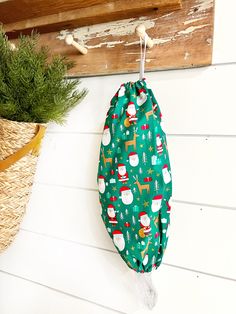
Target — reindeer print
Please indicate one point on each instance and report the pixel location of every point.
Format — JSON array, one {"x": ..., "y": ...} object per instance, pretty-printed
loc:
[{"x": 134, "y": 177}]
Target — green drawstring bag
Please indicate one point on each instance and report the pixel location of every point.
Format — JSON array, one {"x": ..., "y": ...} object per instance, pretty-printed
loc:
[{"x": 134, "y": 177}]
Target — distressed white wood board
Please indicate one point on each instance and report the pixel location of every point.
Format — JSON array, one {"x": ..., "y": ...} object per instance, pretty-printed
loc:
[
  {"x": 203, "y": 169},
  {"x": 224, "y": 44},
  {"x": 193, "y": 101},
  {"x": 202, "y": 238},
  {"x": 73, "y": 268},
  {"x": 67, "y": 213},
  {"x": 89, "y": 273},
  {"x": 74, "y": 215},
  {"x": 19, "y": 296},
  {"x": 182, "y": 39}
]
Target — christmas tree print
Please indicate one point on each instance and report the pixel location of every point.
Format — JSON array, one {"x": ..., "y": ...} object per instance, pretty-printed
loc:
[
  {"x": 128, "y": 236},
  {"x": 134, "y": 177},
  {"x": 113, "y": 132},
  {"x": 156, "y": 185},
  {"x": 144, "y": 158},
  {"x": 149, "y": 135}
]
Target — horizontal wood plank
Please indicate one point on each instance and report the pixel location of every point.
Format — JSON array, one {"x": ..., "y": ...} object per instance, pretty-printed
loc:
[
  {"x": 192, "y": 107},
  {"x": 203, "y": 171},
  {"x": 83, "y": 14},
  {"x": 19, "y": 296},
  {"x": 202, "y": 238},
  {"x": 18, "y": 10},
  {"x": 72, "y": 268},
  {"x": 74, "y": 215},
  {"x": 59, "y": 211},
  {"x": 182, "y": 39},
  {"x": 224, "y": 46},
  {"x": 82, "y": 271}
]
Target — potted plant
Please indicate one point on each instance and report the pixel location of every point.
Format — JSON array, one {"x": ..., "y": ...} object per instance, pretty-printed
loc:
[{"x": 33, "y": 92}]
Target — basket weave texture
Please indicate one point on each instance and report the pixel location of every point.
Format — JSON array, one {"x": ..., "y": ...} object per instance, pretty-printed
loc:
[{"x": 16, "y": 180}]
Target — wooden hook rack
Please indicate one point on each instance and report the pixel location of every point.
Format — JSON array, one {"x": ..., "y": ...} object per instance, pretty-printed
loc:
[
  {"x": 140, "y": 31},
  {"x": 70, "y": 41},
  {"x": 50, "y": 16},
  {"x": 180, "y": 32}
]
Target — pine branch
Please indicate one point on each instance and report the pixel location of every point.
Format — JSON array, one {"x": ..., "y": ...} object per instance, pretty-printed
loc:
[{"x": 33, "y": 89}]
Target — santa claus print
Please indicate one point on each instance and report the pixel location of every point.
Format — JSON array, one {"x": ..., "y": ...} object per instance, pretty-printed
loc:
[
  {"x": 106, "y": 137},
  {"x": 159, "y": 144},
  {"x": 166, "y": 174},
  {"x": 134, "y": 177},
  {"x": 133, "y": 159},
  {"x": 126, "y": 195},
  {"x": 118, "y": 239},
  {"x": 145, "y": 260},
  {"x": 145, "y": 223},
  {"x": 111, "y": 214},
  {"x": 142, "y": 98},
  {"x": 122, "y": 173},
  {"x": 168, "y": 207},
  {"x": 101, "y": 184},
  {"x": 131, "y": 112},
  {"x": 156, "y": 203},
  {"x": 121, "y": 92}
]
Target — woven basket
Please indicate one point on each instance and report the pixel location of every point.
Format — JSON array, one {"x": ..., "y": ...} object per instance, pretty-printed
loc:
[{"x": 19, "y": 148}]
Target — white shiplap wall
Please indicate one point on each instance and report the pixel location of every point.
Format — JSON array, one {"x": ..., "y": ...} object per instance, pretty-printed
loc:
[{"x": 63, "y": 261}]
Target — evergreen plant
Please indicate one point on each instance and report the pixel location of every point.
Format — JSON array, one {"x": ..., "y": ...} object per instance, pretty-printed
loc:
[{"x": 32, "y": 88}]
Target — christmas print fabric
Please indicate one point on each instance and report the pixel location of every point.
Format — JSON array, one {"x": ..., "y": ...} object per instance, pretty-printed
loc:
[{"x": 134, "y": 177}]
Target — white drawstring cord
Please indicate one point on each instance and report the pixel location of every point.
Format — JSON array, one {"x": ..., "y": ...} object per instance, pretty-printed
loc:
[
  {"x": 145, "y": 286},
  {"x": 142, "y": 57}
]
